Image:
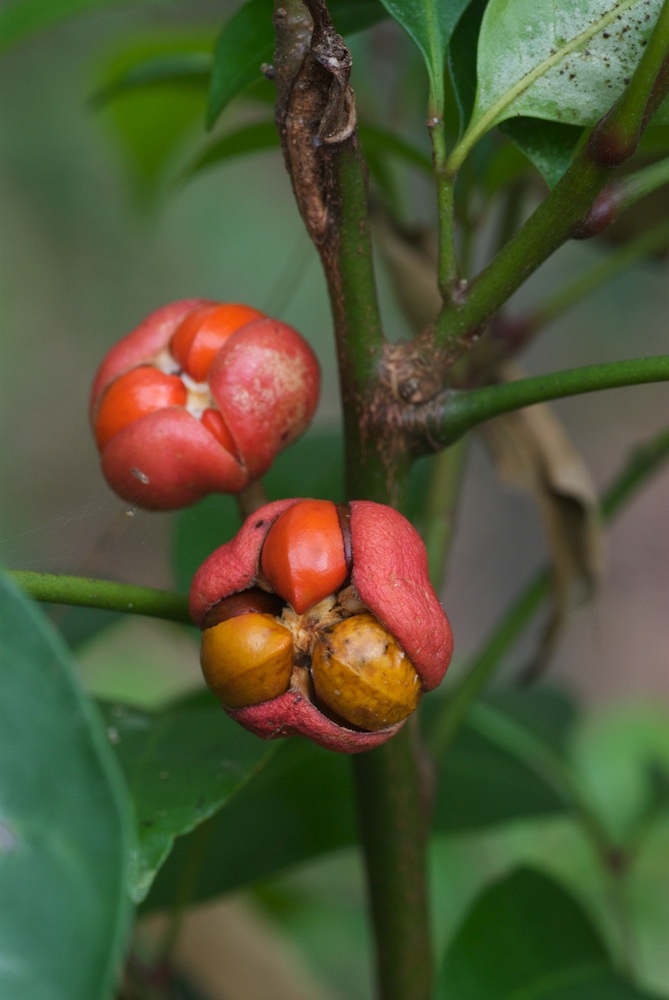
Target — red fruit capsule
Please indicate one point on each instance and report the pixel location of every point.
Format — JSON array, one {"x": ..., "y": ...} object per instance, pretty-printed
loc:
[
  {"x": 200, "y": 398},
  {"x": 375, "y": 640}
]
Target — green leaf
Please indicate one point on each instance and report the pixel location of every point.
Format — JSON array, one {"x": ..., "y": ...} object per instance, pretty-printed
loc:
[
  {"x": 381, "y": 142},
  {"x": 492, "y": 773},
  {"x": 462, "y": 58},
  {"x": 254, "y": 138},
  {"x": 182, "y": 765},
  {"x": 351, "y": 16},
  {"x": 159, "y": 80},
  {"x": 23, "y": 18},
  {"x": 565, "y": 62},
  {"x": 549, "y": 145},
  {"x": 297, "y": 807},
  {"x": 430, "y": 24},
  {"x": 525, "y": 937},
  {"x": 620, "y": 756},
  {"x": 64, "y": 825},
  {"x": 186, "y": 69},
  {"x": 247, "y": 42}
]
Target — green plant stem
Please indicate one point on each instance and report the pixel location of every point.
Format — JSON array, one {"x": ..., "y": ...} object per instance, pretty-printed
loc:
[
  {"x": 105, "y": 594},
  {"x": 392, "y": 817},
  {"x": 251, "y": 498},
  {"x": 459, "y": 411},
  {"x": 634, "y": 187},
  {"x": 642, "y": 464},
  {"x": 549, "y": 226},
  {"x": 390, "y": 808},
  {"x": 596, "y": 275},
  {"x": 617, "y": 135},
  {"x": 349, "y": 270},
  {"x": 391, "y": 811},
  {"x": 439, "y": 509},
  {"x": 329, "y": 179},
  {"x": 447, "y": 267}
]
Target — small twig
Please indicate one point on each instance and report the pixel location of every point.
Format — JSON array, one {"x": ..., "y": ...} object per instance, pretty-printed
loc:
[
  {"x": 52, "y": 588},
  {"x": 448, "y": 416},
  {"x": 251, "y": 498}
]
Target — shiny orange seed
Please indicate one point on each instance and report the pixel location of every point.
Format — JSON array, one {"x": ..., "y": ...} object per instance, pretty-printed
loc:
[
  {"x": 134, "y": 394},
  {"x": 201, "y": 334},
  {"x": 362, "y": 674},
  {"x": 247, "y": 660},
  {"x": 303, "y": 554}
]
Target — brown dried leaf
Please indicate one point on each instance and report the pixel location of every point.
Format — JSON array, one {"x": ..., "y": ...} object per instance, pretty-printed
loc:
[{"x": 532, "y": 453}]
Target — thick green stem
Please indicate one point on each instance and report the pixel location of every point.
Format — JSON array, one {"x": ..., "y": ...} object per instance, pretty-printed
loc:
[
  {"x": 617, "y": 135},
  {"x": 551, "y": 224},
  {"x": 392, "y": 813},
  {"x": 446, "y": 421},
  {"x": 349, "y": 270},
  {"x": 315, "y": 113},
  {"x": 447, "y": 264},
  {"x": 105, "y": 594},
  {"x": 391, "y": 809}
]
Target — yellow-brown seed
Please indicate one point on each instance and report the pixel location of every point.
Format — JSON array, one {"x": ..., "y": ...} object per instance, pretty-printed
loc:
[
  {"x": 362, "y": 674},
  {"x": 247, "y": 660}
]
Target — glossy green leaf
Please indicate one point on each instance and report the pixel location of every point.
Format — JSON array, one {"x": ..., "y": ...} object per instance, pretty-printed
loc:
[
  {"x": 254, "y": 138},
  {"x": 158, "y": 79},
  {"x": 64, "y": 825},
  {"x": 491, "y": 772},
  {"x": 186, "y": 69},
  {"x": 19, "y": 19},
  {"x": 549, "y": 145},
  {"x": 247, "y": 42},
  {"x": 181, "y": 765},
  {"x": 525, "y": 937},
  {"x": 297, "y": 807},
  {"x": 430, "y": 24},
  {"x": 381, "y": 142},
  {"x": 565, "y": 62},
  {"x": 462, "y": 58},
  {"x": 302, "y": 796}
]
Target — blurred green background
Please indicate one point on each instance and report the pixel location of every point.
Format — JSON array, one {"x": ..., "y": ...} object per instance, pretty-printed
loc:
[{"x": 88, "y": 247}]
